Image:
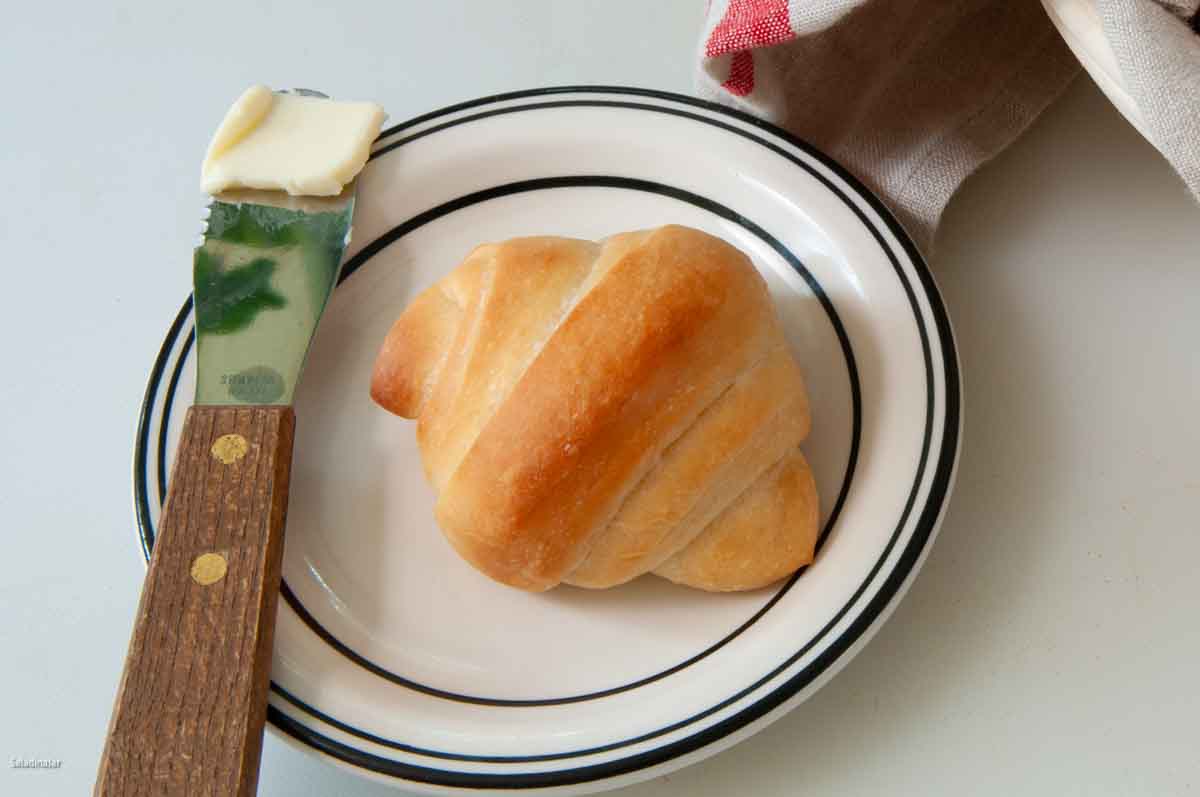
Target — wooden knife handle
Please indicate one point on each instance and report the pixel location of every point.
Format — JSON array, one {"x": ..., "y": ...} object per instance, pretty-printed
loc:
[{"x": 192, "y": 702}]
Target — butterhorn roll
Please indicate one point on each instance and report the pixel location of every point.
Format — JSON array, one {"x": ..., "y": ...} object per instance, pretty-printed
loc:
[{"x": 590, "y": 412}]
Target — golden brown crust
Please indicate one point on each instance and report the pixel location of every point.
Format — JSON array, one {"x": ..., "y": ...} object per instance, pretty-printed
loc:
[
  {"x": 512, "y": 296},
  {"x": 766, "y": 534},
  {"x": 560, "y": 384},
  {"x": 735, "y": 439},
  {"x": 654, "y": 341},
  {"x": 414, "y": 346}
]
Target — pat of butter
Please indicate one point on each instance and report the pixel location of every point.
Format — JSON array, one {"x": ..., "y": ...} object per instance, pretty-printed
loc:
[{"x": 306, "y": 146}]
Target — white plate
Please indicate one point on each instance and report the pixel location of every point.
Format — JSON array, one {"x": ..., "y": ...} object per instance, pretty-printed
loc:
[{"x": 395, "y": 658}]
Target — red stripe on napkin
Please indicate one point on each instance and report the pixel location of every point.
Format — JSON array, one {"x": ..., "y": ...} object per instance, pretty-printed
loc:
[
  {"x": 750, "y": 23},
  {"x": 741, "y": 74}
]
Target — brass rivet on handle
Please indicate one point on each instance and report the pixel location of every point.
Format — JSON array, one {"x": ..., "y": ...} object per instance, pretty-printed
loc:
[
  {"x": 229, "y": 448},
  {"x": 208, "y": 568}
]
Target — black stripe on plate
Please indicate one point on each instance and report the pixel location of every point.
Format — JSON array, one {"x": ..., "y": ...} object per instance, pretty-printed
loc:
[
  {"x": 575, "y": 181},
  {"x": 626, "y": 183},
  {"x": 164, "y": 423},
  {"x": 492, "y": 99},
  {"x": 141, "y": 471}
]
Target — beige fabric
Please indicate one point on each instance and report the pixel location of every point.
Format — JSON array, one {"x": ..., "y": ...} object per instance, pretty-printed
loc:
[
  {"x": 1159, "y": 55},
  {"x": 913, "y": 95},
  {"x": 1182, "y": 8},
  {"x": 910, "y": 95}
]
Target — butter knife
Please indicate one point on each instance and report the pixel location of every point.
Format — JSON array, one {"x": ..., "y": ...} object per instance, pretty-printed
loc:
[{"x": 192, "y": 701}]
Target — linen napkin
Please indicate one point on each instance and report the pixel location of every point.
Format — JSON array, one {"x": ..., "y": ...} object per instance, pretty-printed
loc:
[
  {"x": 913, "y": 95},
  {"x": 1158, "y": 50}
]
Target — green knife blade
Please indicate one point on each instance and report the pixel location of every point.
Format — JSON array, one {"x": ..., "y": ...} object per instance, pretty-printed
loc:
[{"x": 262, "y": 277}]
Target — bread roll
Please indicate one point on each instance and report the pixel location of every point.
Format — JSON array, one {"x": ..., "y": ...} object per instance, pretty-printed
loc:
[{"x": 591, "y": 412}]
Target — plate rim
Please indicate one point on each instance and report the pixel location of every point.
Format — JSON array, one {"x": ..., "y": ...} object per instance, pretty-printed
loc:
[{"x": 862, "y": 626}]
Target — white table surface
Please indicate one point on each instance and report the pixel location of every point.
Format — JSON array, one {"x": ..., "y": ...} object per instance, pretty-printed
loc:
[{"x": 1050, "y": 645}]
